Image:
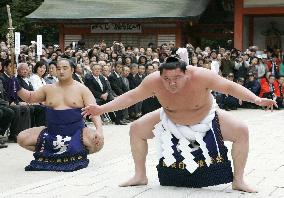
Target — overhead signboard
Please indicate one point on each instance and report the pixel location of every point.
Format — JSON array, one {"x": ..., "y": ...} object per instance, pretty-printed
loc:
[
  {"x": 116, "y": 28},
  {"x": 263, "y": 3}
]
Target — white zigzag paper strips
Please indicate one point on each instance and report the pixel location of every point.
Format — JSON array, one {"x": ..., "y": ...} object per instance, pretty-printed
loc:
[{"x": 165, "y": 129}]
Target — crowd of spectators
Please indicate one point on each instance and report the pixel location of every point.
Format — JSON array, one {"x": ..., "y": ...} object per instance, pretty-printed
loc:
[{"x": 109, "y": 71}]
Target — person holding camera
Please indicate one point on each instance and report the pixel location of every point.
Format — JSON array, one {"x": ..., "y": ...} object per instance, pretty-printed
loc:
[
  {"x": 241, "y": 67},
  {"x": 227, "y": 65},
  {"x": 118, "y": 48}
]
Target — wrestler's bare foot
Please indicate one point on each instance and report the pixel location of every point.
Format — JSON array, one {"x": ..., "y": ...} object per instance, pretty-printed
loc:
[
  {"x": 135, "y": 181},
  {"x": 242, "y": 186}
]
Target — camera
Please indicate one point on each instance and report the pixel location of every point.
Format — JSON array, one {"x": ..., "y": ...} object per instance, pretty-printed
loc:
[{"x": 117, "y": 48}]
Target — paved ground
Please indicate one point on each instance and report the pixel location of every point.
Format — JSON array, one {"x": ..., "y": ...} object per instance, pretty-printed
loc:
[{"x": 265, "y": 168}]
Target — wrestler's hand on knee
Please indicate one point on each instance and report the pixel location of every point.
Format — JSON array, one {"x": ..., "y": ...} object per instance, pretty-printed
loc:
[
  {"x": 99, "y": 139},
  {"x": 92, "y": 109}
]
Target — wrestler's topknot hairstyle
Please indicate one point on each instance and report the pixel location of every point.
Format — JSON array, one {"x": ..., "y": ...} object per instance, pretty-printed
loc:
[
  {"x": 171, "y": 64},
  {"x": 71, "y": 63}
]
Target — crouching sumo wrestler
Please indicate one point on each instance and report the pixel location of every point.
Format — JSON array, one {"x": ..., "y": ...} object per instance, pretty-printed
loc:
[
  {"x": 187, "y": 129},
  {"x": 64, "y": 144}
]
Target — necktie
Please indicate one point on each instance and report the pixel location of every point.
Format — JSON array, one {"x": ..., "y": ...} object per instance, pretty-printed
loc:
[
  {"x": 100, "y": 83},
  {"x": 30, "y": 86},
  {"x": 80, "y": 78}
]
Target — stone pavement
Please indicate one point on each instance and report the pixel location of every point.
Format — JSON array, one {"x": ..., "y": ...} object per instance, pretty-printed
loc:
[{"x": 265, "y": 168}]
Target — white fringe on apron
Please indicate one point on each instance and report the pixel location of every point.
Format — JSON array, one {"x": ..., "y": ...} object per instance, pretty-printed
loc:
[{"x": 164, "y": 130}]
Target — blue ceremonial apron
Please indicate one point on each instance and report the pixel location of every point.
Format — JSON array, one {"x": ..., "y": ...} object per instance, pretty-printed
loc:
[
  {"x": 60, "y": 146},
  {"x": 219, "y": 172}
]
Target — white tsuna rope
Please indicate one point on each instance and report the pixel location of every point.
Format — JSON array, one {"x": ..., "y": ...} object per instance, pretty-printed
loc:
[{"x": 164, "y": 130}]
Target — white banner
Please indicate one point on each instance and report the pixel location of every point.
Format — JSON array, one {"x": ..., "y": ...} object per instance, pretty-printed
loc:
[
  {"x": 17, "y": 43},
  {"x": 116, "y": 28},
  {"x": 39, "y": 44}
]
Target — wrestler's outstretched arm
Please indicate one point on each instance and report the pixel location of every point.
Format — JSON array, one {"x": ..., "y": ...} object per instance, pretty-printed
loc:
[
  {"x": 37, "y": 96},
  {"x": 125, "y": 100},
  {"x": 225, "y": 86}
]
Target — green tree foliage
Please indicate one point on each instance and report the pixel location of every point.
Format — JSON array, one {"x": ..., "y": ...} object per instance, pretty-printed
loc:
[{"x": 20, "y": 9}]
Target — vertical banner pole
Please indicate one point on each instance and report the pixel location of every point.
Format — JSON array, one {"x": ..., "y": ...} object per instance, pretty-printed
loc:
[
  {"x": 17, "y": 46},
  {"x": 39, "y": 46}
]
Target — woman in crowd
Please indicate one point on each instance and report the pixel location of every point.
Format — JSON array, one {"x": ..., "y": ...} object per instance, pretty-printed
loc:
[{"x": 37, "y": 78}]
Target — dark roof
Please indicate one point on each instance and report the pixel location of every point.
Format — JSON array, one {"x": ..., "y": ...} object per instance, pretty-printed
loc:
[{"x": 109, "y": 10}]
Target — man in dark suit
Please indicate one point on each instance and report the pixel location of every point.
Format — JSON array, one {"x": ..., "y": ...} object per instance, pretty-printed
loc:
[
  {"x": 134, "y": 82},
  {"x": 78, "y": 74},
  {"x": 37, "y": 113},
  {"x": 124, "y": 75},
  {"x": 22, "y": 77},
  {"x": 139, "y": 78},
  {"x": 98, "y": 86},
  {"x": 106, "y": 73},
  {"x": 6, "y": 116},
  {"x": 116, "y": 81},
  {"x": 22, "y": 118},
  {"x": 118, "y": 86}
]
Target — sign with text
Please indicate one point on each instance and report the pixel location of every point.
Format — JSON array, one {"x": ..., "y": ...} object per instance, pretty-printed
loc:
[
  {"x": 17, "y": 43},
  {"x": 116, "y": 28},
  {"x": 39, "y": 45}
]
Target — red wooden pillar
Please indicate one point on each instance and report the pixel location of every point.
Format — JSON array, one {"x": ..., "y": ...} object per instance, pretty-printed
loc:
[
  {"x": 179, "y": 34},
  {"x": 61, "y": 37},
  {"x": 251, "y": 30},
  {"x": 238, "y": 24}
]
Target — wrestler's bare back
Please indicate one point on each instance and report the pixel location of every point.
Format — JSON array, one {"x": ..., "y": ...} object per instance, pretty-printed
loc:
[
  {"x": 190, "y": 104},
  {"x": 65, "y": 97}
]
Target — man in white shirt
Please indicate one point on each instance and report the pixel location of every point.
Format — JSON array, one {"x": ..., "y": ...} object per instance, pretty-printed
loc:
[{"x": 215, "y": 64}]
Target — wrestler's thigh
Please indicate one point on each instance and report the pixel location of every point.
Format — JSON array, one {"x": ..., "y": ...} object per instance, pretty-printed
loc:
[
  {"x": 29, "y": 136},
  {"x": 231, "y": 127},
  {"x": 144, "y": 126}
]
